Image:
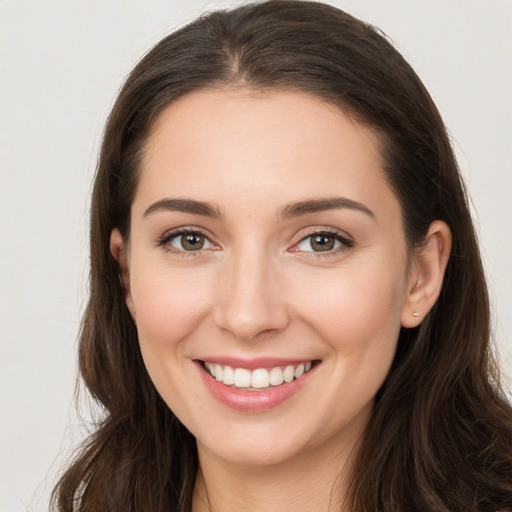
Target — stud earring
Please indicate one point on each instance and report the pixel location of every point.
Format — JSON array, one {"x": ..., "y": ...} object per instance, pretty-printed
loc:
[{"x": 416, "y": 314}]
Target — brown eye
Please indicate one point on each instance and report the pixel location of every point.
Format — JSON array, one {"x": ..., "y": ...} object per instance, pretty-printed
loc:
[
  {"x": 190, "y": 241},
  {"x": 322, "y": 242}
]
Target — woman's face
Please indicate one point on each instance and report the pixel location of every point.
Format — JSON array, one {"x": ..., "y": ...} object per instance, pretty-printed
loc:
[{"x": 266, "y": 245}]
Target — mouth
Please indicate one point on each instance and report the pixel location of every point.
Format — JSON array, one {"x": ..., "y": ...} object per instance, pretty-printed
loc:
[{"x": 259, "y": 379}]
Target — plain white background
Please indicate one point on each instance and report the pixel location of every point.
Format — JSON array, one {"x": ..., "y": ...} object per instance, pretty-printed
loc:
[{"x": 61, "y": 64}]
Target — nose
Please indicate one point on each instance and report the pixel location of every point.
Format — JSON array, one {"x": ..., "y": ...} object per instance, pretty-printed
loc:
[{"x": 252, "y": 300}]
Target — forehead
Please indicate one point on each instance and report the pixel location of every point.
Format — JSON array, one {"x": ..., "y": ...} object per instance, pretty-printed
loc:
[{"x": 258, "y": 146}]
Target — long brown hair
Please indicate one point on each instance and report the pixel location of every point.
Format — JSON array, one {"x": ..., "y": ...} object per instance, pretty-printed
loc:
[{"x": 440, "y": 436}]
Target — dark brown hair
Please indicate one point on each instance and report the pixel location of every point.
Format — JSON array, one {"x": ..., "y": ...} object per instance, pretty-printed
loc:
[{"x": 440, "y": 435}]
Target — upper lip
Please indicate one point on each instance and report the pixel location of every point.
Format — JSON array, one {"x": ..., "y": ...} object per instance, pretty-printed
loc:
[{"x": 254, "y": 363}]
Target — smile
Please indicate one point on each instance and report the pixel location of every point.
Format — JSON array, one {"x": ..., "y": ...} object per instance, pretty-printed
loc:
[
  {"x": 257, "y": 385},
  {"x": 258, "y": 379}
]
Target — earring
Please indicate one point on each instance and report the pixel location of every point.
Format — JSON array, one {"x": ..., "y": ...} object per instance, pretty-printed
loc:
[
  {"x": 416, "y": 314},
  {"x": 121, "y": 280}
]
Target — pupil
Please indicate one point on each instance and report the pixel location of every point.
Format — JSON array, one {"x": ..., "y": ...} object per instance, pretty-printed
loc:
[
  {"x": 192, "y": 242},
  {"x": 322, "y": 243}
]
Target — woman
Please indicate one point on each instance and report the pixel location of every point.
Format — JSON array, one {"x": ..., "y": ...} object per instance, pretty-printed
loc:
[{"x": 281, "y": 250}]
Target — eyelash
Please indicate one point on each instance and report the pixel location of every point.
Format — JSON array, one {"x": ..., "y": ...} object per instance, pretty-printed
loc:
[
  {"x": 346, "y": 242},
  {"x": 165, "y": 240}
]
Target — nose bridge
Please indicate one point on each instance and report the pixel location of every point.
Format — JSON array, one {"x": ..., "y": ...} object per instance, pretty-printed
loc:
[{"x": 251, "y": 301}]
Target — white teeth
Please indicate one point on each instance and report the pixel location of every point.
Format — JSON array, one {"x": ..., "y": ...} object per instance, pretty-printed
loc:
[
  {"x": 228, "y": 376},
  {"x": 257, "y": 379},
  {"x": 276, "y": 376},
  {"x": 289, "y": 373},
  {"x": 210, "y": 367},
  {"x": 260, "y": 378},
  {"x": 242, "y": 378},
  {"x": 299, "y": 371}
]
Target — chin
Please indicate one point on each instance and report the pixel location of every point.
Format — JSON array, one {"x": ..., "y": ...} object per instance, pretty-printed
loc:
[
  {"x": 251, "y": 454},
  {"x": 263, "y": 444}
]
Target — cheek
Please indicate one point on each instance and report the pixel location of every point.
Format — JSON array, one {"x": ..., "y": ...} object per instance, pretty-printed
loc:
[
  {"x": 357, "y": 312},
  {"x": 168, "y": 308},
  {"x": 354, "y": 300},
  {"x": 168, "y": 305}
]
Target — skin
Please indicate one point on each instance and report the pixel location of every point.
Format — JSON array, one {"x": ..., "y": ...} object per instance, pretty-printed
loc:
[{"x": 258, "y": 289}]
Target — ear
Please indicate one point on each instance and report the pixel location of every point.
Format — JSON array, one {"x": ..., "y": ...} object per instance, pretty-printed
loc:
[
  {"x": 119, "y": 251},
  {"x": 426, "y": 274}
]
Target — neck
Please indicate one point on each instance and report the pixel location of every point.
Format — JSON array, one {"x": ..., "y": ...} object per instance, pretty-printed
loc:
[{"x": 311, "y": 481}]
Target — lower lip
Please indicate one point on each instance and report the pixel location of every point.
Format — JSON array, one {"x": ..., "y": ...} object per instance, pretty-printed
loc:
[{"x": 252, "y": 401}]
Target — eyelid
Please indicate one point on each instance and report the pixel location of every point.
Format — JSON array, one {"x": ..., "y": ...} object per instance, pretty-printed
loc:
[
  {"x": 347, "y": 242},
  {"x": 164, "y": 240},
  {"x": 177, "y": 240}
]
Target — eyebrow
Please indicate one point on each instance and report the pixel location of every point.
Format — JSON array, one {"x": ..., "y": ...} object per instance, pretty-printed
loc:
[
  {"x": 291, "y": 210},
  {"x": 185, "y": 205},
  {"x": 321, "y": 205}
]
